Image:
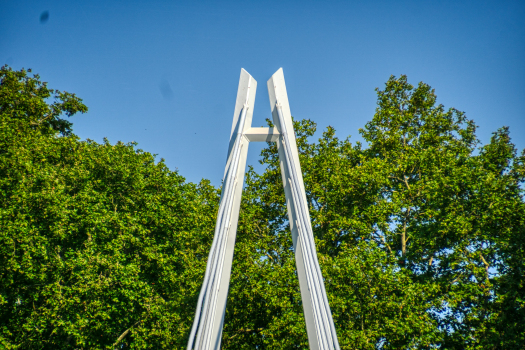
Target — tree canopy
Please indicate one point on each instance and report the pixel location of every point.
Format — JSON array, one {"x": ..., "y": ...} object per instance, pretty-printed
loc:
[{"x": 420, "y": 234}]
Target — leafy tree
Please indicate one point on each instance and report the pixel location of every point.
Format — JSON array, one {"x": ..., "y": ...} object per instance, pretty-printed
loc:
[
  {"x": 101, "y": 247},
  {"x": 374, "y": 301},
  {"x": 428, "y": 218},
  {"x": 419, "y": 234}
]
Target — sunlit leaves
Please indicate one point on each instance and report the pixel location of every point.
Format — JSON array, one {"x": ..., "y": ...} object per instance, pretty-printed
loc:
[{"x": 420, "y": 234}]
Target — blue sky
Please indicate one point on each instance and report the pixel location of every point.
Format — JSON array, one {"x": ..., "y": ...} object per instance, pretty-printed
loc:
[{"x": 165, "y": 73}]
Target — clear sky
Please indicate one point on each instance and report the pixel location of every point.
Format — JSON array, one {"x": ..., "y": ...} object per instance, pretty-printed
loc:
[{"x": 165, "y": 73}]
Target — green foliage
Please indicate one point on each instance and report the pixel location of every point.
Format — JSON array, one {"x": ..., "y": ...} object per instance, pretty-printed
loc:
[
  {"x": 99, "y": 244},
  {"x": 420, "y": 234},
  {"x": 24, "y": 105}
]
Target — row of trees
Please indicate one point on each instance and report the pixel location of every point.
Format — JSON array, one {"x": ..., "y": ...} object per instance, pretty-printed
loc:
[{"x": 420, "y": 234}]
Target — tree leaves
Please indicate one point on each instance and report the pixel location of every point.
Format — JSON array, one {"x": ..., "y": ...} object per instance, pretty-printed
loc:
[
  {"x": 426, "y": 215},
  {"x": 96, "y": 238},
  {"x": 419, "y": 233}
]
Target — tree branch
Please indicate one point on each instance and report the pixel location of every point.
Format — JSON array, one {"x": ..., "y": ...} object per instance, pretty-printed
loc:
[
  {"x": 123, "y": 335},
  {"x": 406, "y": 183},
  {"x": 487, "y": 265},
  {"x": 386, "y": 244},
  {"x": 40, "y": 121}
]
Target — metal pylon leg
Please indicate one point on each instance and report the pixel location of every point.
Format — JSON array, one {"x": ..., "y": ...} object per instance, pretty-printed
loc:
[{"x": 209, "y": 317}]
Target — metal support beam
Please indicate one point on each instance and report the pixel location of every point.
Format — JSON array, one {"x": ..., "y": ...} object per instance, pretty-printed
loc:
[
  {"x": 277, "y": 92},
  {"x": 262, "y": 134},
  {"x": 207, "y": 326},
  {"x": 209, "y": 317},
  {"x": 319, "y": 323}
]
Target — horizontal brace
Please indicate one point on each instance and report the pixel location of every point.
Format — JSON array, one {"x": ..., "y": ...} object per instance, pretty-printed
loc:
[{"x": 262, "y": 134}]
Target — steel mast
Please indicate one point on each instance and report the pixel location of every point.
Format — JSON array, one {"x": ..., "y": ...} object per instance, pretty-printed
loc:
[{"x": 208, "y": 323}]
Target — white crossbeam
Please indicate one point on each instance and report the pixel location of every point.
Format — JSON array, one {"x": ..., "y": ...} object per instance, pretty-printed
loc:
[
  {"x": 262, "y": 134},
  {"x": 211, "y": 306}
]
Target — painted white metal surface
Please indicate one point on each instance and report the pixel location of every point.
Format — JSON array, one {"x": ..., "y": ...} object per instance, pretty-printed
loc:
[
  {"x": 207, "y": 327},
  {"x": 209, "y": 317},
  {"x": 318, "y": 317},
  {"x": 262, "y": 134}
]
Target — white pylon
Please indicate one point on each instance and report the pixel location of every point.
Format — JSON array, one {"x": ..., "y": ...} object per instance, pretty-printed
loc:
[{"x": 207, "y": 326}]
